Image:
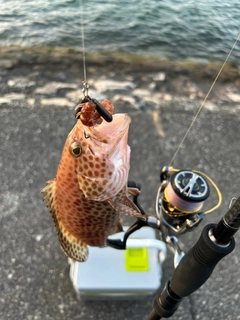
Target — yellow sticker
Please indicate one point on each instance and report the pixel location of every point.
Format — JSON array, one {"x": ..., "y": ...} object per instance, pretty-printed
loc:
[{"x": 136, "y": 260}]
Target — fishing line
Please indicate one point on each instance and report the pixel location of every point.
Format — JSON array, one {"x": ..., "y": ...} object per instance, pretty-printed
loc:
[
  {"x": 83, "y": 44},
  {"x": 205, "y": 99},
  {"x": 106, "y": 115}
]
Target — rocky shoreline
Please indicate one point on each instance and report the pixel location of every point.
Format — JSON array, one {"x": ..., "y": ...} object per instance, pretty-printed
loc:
[{"x": 40, "y": 77}]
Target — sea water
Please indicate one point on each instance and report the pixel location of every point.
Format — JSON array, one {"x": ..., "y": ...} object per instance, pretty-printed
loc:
[{"x": 172, "y": 29}]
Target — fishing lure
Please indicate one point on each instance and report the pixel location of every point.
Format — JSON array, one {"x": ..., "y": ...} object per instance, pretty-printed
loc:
[{"x": 90, "y": 188}]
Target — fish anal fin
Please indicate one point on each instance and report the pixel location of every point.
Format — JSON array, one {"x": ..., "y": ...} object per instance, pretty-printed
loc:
[{"x": 73, "y": 247}]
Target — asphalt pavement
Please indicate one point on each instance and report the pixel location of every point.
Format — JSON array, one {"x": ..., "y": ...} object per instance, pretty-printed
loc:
[{"x": 34, "y": 272}]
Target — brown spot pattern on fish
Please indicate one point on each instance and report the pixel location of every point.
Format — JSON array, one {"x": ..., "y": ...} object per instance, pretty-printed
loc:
[{"x": 89, "y": 190}]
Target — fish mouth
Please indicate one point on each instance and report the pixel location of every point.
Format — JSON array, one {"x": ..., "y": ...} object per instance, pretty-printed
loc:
[
  {"x": 91, "y": 150},
  {"x": 107, "y": 136}
]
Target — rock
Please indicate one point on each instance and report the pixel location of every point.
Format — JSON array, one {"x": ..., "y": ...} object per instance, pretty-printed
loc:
[
  {"x": 53, "y": 87},
  {"x": 113, "y": 85},
  {"x": 31, "y": 101},
  {"x": 13, "y": 96},
  {"x": 233, "y": 96},
  {"x": 210, "y": 106},
  {"x": 59, "y": 102},
  {"x": 74, "y": 95},
  {"x": 148, "y": 96},
  {"x": 152, "y": 85},
  {"x": 167, "y": 97},
  {"x": 127, "y": 99},
  {"x": 20, "y": 82},
  {"x": 160, "y": 76},
  {"x": 7, "y": 63},
  {"x": 142, "y": 93},
  {"x": 4, "y": 101},
  {"x": 192, "y": 96}
]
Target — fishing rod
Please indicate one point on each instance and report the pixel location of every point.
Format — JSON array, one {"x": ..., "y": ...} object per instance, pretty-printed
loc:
[{"x": 216, "y": 242}]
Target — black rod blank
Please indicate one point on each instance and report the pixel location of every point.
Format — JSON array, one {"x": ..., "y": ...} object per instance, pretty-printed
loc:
[{"x": 228, "y": 225}]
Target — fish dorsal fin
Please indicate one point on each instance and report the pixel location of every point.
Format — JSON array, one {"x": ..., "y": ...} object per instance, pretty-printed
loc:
[{"x": 72, "y": 247}]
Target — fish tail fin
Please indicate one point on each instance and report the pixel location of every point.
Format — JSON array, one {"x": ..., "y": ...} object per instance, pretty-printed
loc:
[{"x": 74, "y": 248}]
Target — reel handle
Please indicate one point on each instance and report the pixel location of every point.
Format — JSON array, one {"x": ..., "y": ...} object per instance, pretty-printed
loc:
[{"x": 191, "y": 273}]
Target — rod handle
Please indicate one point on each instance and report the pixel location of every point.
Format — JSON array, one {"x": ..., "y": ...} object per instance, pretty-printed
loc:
[{"x": 198, "y": 264}]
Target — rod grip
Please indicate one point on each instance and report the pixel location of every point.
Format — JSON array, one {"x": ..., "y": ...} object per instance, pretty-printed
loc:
[{"x": 198, "y": 264}]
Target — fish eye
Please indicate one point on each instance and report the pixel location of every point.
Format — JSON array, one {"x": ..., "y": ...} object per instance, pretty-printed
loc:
[{"x": 75, "y": 149}]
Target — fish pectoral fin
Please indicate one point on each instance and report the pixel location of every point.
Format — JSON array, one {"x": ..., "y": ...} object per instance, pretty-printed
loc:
[
  {"x": 72, "y": 247},
  {"x": 127, "y": 207},
  {"x": 116, "y": 229},
  {"x": 119, "y": 227},
  {"x": 49, "y": 191}
]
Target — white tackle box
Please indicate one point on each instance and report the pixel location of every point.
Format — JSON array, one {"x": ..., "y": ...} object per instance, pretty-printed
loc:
[{"x": 121, "y": 274}]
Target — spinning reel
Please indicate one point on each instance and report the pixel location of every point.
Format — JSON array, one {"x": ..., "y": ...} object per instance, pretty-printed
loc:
[
  {"x": 180, "y": 199},
  {"x": 179, "y": 203}
]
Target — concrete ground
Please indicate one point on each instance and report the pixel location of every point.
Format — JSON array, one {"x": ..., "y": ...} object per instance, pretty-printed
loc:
[{"x": 34, "y": 273}]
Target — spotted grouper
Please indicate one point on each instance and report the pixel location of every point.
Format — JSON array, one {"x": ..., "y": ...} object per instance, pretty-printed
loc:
[{"x": 90, "y": 188}]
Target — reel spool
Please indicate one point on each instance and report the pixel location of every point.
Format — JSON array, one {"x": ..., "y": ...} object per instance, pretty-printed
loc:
[
  {"x": 180, "y": 199},
  {"x": 179, "y": 203},
  {"x": 185, "y": 193}
]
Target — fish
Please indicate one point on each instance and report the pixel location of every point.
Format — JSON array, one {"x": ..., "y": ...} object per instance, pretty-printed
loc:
[{"x": 90, "y": 190}]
